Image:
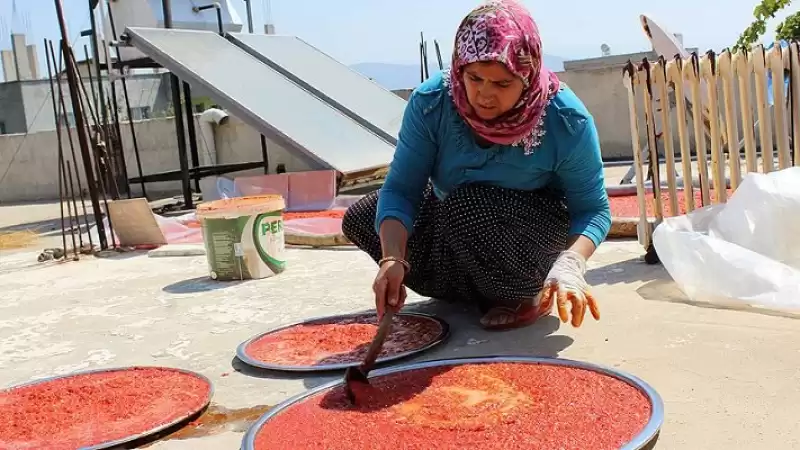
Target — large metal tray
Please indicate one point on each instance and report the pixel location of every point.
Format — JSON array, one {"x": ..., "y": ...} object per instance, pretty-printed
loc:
[
  {"x": 147, "y": 433},
  {"x": 645, "y": 440},
  {"x": 245, "y": 358}
]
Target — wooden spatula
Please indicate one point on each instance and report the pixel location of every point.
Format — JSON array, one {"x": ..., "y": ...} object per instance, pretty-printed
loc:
[{"x": 359, "y": 374}]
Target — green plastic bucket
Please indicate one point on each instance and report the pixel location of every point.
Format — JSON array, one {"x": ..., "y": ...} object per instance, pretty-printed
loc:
[{"x": 244, "y": 237}]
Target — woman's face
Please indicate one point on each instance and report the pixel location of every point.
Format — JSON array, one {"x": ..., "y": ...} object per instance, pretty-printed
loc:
[{"x": 491, "y": 89}]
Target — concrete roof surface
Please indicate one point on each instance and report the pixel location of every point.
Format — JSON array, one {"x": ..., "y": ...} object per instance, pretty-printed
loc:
[{"x": 724, "y": 375}]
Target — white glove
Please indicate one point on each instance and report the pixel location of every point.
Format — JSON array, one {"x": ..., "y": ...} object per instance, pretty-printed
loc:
[{"x": 566, "y": 284}]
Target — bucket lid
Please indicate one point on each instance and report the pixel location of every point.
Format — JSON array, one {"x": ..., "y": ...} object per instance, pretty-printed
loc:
[{"x": 241, "y": 206}]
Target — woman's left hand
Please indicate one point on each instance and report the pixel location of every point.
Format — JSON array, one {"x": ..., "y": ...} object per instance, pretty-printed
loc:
[{"x": 566, "y": 285}]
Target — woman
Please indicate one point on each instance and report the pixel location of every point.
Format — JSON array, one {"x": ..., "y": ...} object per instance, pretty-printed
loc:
[{"x": 496, "y": 194}]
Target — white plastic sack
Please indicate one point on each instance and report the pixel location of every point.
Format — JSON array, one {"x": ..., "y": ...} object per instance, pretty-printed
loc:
[
  {"x": 181, "y": 229},
  {"x": 745, "y": 252},
  {"x": 218, "y": 188},
  {"x": 227, "y": 189}
]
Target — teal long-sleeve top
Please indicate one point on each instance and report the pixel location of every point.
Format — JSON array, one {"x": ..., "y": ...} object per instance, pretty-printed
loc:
[{"x": 436, "y": 144}]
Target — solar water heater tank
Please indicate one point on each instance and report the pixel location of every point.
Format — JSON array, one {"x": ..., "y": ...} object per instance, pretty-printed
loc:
[{"x": 150, "y": 14}]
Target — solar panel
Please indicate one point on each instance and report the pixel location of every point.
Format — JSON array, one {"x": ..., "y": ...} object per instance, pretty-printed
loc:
[
  {"x": 264, "y": 98},
  {"x": 343, "y": 85}
]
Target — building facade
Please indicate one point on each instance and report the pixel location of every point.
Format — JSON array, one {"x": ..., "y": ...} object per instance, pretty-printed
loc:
[{"x": 26, "y": 106}]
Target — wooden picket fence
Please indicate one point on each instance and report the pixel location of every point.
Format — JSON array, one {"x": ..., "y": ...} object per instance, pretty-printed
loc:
[{"x": 733, "y": 91}]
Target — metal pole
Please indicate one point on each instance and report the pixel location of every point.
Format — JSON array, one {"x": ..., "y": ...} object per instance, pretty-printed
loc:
[
  {"x": 421, "y": 64},
  {"x": 218, "y": 7},
  {"x": 88, "y": 105},
  {"x": 250, "y": 29},
  {"x": 61, "y": 199},
  {"x": 166, "y": 6},
  {"x": 134, "y": 141},
  {"x": 98, "y": 71},
  {"x": 107, "y": 135},
  {"x": 438, "y": 54},
  {"x": 100, "y": 113},
  {"x": 187, "y": 94},
  {"x": 116, "y": 151},
  {"x": 82, "y": 84},
  {"x": 123, "y": 165},
  {"x": 103, "y": 173},
  {"x": 81, "y": 126},
  {"x": 100, "y": 165},
  {"x": 127, "y": 105},
  {"x": 75, "y": 207},
  {"x": 91, "y": 79},
  {"x": 249, "y": 16},
  {"x": 179, "y": 130},
  {"x": 265, "y": 154},
  {"x": 102, "y": 161},
  {"x": 53, "y": 93},
  {"x": 60, "y": 150},
  {"x": 116, "y": 144},
  {"x": 425, "y": 58},
  {"x": 71, "y": 144}
]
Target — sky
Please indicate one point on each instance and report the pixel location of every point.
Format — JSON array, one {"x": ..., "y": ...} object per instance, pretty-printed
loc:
[{"x": 354, "y": 31}]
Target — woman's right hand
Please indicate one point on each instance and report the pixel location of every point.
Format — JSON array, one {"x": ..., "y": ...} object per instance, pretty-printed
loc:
[{"x": 388, "y": 287}]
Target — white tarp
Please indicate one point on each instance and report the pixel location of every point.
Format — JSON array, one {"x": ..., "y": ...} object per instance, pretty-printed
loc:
[{"x": 742, "y": 253}]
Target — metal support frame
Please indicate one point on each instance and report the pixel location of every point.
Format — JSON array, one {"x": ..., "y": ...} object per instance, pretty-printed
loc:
[
  {"x": 248, "y": 4},
  {"x": 218, "y": 7},
  {"x": 101, "y": 100},
  {"x": 264, "y": 150},
  {"x": 265, "y": 154},
  {"x": 134, "y": 141},
  {"x": 188, "y": 103},
  {"x": 196, "y": 172},
  {"x": 178, "y": 111}
]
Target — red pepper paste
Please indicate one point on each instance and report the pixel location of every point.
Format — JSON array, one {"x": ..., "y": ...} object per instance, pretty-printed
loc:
[
  {"x": 95, "y": 408},
  {"x": 503, "y": 406},
  {"x": 628, "y": 205},
  {"x": 341, "y": 341},
  {"x": 328, "y": 214}
]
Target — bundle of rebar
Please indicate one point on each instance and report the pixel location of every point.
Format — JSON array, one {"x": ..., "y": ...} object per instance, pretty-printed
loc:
[{"x": 96, "y": 130}]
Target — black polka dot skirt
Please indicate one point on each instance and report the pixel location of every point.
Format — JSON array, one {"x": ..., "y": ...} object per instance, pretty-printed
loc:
[{"x": 483, "y": 244}]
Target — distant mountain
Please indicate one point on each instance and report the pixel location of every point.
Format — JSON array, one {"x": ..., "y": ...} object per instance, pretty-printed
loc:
[
  {"x": 407, "y": 76},
  {"x": 390, "y": 76}
]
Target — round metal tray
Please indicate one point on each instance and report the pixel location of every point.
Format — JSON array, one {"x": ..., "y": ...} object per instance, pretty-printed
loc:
[
  {"x": 645, "y": 440},
  {"x": 245, "y": 358},
  {"x": 144, "y": 434}
]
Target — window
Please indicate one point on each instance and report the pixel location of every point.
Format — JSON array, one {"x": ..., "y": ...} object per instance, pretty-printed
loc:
[{"x": 141, "y": 113}]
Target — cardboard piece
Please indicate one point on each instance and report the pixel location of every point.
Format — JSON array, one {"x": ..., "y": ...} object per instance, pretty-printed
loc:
[{"x": 134, "y": 223}]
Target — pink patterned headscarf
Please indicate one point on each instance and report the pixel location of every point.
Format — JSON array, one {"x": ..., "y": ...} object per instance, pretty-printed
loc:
[{"x": 504, "y": 31}]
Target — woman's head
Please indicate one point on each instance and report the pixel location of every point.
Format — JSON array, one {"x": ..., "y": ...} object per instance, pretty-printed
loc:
[
  {"x": 496, "y": 78},
  {"x": 492, "y": 90}
]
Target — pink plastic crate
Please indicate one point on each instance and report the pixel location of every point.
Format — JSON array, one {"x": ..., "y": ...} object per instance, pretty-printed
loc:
[
  {"x": 302, "y": 191},
  {"x": 311, "y": 191},
  {"x": 263, "y": 185}
]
